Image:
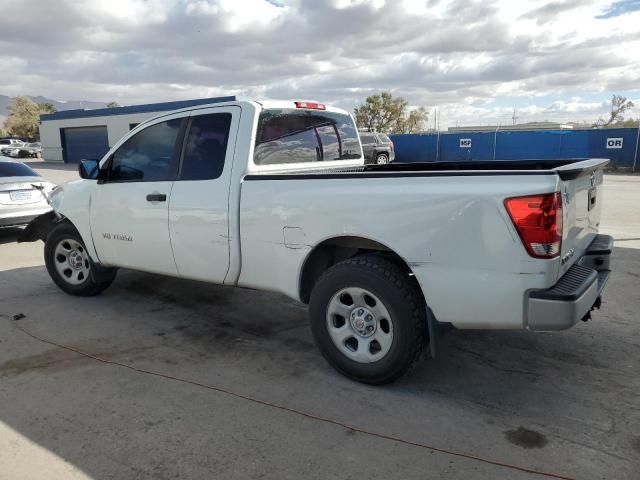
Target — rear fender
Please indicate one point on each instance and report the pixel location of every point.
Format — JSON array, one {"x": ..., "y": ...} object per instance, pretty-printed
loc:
[{"x": 39, "y": 227}]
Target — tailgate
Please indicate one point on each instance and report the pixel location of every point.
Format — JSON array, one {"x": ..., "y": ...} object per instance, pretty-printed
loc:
[{"x": 581, "y": 189}]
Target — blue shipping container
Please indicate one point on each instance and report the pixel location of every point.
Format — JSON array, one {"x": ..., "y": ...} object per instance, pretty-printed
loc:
[{"x": 619, "y": 144}]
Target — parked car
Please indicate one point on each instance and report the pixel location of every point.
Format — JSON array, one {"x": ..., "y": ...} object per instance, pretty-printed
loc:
[
  {"x": 377, "y": 148},
  {"x": 273, "y": 195},
  {"x": 12, "y": 150},
  {"x": 20, "y": 200},
  {"x": 31, "y": 150},
  {"x": 10, "y": 146},
  {"x": 10, "y": 141}
]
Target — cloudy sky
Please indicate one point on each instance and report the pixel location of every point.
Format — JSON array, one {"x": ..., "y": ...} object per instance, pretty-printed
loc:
[{"x": 473, "y": 60}]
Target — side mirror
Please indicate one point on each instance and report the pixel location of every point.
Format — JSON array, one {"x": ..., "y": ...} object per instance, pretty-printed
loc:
[{"x": 89, "y": 169}]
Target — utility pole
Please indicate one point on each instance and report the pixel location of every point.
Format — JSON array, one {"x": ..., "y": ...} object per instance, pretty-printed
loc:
[
  {"x": 495, "y": 140},
  {"x": 515, "y": 116},
  {"x": 635, "y": 155}
]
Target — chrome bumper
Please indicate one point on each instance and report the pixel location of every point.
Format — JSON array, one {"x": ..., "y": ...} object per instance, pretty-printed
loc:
[{"x": 576, "y": 293}]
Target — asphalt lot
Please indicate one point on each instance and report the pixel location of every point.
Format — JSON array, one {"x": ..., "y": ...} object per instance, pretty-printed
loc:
[{"x": 565, "y": 402}]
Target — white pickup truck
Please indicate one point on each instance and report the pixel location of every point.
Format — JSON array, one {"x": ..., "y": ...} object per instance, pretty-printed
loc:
[{"x": 274, "y": 195}]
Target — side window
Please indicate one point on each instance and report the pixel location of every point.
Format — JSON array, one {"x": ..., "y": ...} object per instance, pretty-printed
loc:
[
  {"x": 148, "y": 155},
  {"x": 302, "y": 136},
  {"x": 205, "y": 147},
  {"x": 366, "y": 139}
]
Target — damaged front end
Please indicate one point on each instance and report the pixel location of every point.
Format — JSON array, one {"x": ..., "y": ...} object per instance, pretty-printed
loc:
[{"x": 39, "y": 227}]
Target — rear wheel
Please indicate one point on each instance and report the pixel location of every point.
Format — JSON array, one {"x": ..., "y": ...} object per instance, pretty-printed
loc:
[
  {"x": 382, "y": 159},
  {"x": 368, "y": 318},
  {"x": 70, "y": 265}
]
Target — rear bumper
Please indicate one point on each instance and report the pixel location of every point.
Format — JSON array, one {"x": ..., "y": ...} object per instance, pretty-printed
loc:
[
  {"x": 576, "y": 293},
  {"x": 23, "y": 218},
  {"x": 371, "y": 159}
]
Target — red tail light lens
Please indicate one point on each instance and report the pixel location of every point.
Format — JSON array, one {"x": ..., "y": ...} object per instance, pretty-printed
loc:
[
  {"x": 311, "y": 105},
  {"x": 538, "y": 220}
]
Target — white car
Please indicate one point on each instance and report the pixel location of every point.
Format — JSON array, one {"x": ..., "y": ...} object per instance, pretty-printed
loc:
[
  {"x": 10, "y": 147},
  {"x": 21, "y": 193},
  {"x": 274, "y": 195}
]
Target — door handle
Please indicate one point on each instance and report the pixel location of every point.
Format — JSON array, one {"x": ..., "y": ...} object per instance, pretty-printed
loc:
[{"x": 156, "y": 197}]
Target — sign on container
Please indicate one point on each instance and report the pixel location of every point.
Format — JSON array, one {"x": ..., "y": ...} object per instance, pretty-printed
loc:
[{"x": 614, "y": 143}]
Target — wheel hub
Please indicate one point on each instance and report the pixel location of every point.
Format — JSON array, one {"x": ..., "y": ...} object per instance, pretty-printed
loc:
[
  {"x": 75, "y": 260},
  {"x": 362, "y": 321}
]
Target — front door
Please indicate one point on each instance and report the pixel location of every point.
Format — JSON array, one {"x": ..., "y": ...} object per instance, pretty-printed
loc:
[
  {"x": 199, "y": 204},
  {"x": 130, "y": 210}
]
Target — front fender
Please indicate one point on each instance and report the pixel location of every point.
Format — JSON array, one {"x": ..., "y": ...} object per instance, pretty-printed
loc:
[{"x": 39, "y": 227}]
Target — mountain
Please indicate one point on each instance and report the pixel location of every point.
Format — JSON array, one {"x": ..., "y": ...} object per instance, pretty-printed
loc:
[{"x": 60, "y": 105}]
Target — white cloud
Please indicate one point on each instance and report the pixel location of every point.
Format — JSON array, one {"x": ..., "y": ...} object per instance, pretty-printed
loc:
[{"x": 474, "y": 60}]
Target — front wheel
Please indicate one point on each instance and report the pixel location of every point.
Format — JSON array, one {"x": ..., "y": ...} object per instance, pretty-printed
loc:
[
  {"x": 69, "y": 264},
  {"x": 368, "y": 318}
]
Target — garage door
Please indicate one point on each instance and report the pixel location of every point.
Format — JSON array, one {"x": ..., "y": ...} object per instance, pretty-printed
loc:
[{"x": 84, "y": 142}]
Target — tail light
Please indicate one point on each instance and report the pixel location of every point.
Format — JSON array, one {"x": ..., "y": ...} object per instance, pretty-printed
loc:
[
  {"x": 311, "y": 105},
  {"x": 538, "y": 220}
]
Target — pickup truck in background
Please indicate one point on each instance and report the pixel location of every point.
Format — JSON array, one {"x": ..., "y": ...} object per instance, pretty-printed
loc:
[{"x": 274, "y": 195}]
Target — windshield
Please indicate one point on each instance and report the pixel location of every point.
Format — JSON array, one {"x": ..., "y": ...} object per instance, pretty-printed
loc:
[{"x": 10, "y": 169}]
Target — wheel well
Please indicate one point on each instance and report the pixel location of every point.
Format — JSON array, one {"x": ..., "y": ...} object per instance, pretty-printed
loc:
[{"x": 335, "y": 250}]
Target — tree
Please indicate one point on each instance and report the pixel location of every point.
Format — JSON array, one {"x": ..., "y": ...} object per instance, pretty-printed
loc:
[
  {"x": 47, "y": 108},
  {"x": 113, "y": 105},
  {"x": 388, "y": 114},
  {"x": 24, "y": 117},
  {"x": 415, "y": 121},
  {"x": 619, "y": 105},
  {"x": 631, "y": 123}
]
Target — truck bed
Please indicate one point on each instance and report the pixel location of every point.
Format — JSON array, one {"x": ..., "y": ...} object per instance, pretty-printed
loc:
[{"x": 566, "y": 169}]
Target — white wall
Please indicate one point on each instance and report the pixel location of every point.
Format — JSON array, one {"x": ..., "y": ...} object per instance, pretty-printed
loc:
[{"x": 117, "y": 127}]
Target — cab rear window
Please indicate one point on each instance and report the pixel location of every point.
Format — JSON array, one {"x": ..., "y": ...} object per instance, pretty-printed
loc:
[{"x": 302, "y": 136}]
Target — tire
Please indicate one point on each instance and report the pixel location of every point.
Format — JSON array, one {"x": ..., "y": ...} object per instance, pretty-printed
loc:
[
  {"x": 70, "y": 266},
  {"x": 339, "y": 312},
  {"x": 382, "y": 159}
]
